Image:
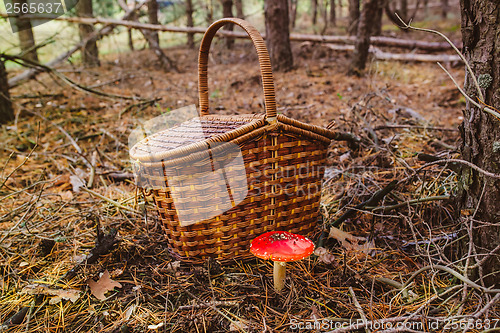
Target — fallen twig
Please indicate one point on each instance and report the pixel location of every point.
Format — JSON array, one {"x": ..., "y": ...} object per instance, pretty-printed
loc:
[
  {"x": 141, "y": 103},
  {"x": 397, "y": 285},
  {"x": 358, "y": 307},
  {"x": 112, "y": 136},
  {"x": 485, "y": 308},
  {"x": 429, "y": 128},
  {"x": 431, "y": 158},
  {"x": 409, "y": 202},
  {"x": 455, "y": 274},
  {"x": 208, "y": 305},
  {"x": 376, "y": 197},
  {"x": 65, "y": 79},
  {"x": 469, "y": 164},
  {"x": 114, "y": 203}
]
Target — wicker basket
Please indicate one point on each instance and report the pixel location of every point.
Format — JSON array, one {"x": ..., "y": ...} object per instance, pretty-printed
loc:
[{"x": 219, "y": 181}]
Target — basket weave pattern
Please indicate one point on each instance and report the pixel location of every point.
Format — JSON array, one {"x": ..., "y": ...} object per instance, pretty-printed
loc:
[{"x": 280, "y": 174}]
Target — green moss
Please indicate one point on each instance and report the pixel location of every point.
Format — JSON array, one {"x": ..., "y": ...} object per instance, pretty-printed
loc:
[{"x": 453, "y": 28}]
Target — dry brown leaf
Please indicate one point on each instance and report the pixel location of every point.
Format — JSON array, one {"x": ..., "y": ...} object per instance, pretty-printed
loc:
[
  {"x": 59, "y": 294},
  {"x": 325, "y": 256},
  {"x": 102, "y": 286},
  {"x": 128, "y": 313},
  {"x": 350, "y": 242},
  {"x": 61, "y": 179},
  {"x": 238, "y": 326},
  {"x": 173, "y": 266},
  {"x": 67, "y": 195}
]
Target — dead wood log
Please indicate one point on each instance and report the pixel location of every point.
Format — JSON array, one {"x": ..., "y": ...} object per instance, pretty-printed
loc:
[
  {"x": 375, "y": 40},
  {"x": 381, "y": 55}
]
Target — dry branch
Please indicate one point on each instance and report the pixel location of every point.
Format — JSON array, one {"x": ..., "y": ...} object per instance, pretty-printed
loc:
[
  {"x": 469, "y": 164},
  {"x": 428, "y": 128},
  {"x": 377, "y": 196},
  {"x": 114, "y": 203},
  {"x": 381, "y": 55}
]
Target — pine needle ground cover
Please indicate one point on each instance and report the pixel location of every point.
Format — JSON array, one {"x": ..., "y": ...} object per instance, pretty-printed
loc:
[{"x": 82, "y": 249}]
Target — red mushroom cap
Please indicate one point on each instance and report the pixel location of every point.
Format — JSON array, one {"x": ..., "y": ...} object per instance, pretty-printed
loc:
[{"x": 281, "y": 246}]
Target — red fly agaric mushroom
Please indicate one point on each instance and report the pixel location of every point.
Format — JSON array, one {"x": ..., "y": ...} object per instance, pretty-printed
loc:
[{"x": 281, "y": 247}]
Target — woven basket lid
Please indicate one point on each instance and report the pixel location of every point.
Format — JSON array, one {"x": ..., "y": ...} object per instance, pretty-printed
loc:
[{"x": 189, "y": 136}]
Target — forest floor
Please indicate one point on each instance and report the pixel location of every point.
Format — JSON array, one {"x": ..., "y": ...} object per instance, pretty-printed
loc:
[{"x": 62, "y": 137}]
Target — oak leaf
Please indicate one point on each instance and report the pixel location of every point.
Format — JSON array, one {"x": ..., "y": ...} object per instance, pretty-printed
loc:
[{"x": 102, "y": 286}]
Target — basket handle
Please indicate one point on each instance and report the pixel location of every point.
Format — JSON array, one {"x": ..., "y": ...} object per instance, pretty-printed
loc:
[{"x": 264, "y": 61}]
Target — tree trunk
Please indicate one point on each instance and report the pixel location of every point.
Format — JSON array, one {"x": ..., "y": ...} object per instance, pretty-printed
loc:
[
  {"x": 413, "y": 15},
  {"x": 90, "y": 52},
  {"x": 239, "y": 9},
  {"x": 190, "y": 22},
  {"x": 444, "y": 8},
  {"x": 480, "y": 136},
  {"x": 314, "y": 9},
  {"x": 292, "y": 10},
  {"x": 26, "y": 37},
  {"x": 352, "y": 27},
  {"x": 391, "y": 14},
  {"x": 362, "y": 44},
  {"x": 333, "y": 14},
  {"x": 124, "y": 5},
  {"x": 130, "y": 39},
  {"x": 324, "y": 13},
  {"x": 403, "y": 9},
  {"x": 165, "y": 62},
  {"x": 6, "y": 111},
  {"x": 278, "y": 34},
  {"x": 153, "y": 19},
  {"x": 377, "y": 20},
  {"x": 210, "y": 11},
  {"x": 227, "y": 11}
]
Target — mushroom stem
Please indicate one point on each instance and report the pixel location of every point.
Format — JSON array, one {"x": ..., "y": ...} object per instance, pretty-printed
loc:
[{"x": 279, "y": 273}]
